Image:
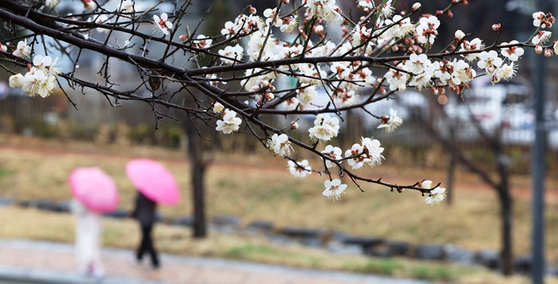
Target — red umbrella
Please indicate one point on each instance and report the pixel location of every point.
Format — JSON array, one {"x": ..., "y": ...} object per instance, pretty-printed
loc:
[
  {"x": 153, "y": 180},
  {"x": 95, "y": 189}
]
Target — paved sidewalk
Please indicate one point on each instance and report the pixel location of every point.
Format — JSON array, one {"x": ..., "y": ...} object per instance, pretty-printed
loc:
[{"x": 46, "y": 262}]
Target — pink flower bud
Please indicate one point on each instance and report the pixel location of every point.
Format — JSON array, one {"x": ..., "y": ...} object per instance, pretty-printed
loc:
[
  {"x": 496, "y": 27},
  {"x": 416, "y": 6},
  {"x": 547, "y": 52},
  {"x": 538, "y": 49},
  {"x": 3, "y": 48},
  {"x": 183, "y": 37},
  {"x": 88, "y": 4},
  {"x": 252, "y": 10}
]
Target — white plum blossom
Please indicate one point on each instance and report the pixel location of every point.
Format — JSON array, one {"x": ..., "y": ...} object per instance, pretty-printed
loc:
[
  {"x": 367, "y": 154},
  {"x": 202, "y": 42},
  {"x": 436, "y": 196},
  {"x": 387, "y": 10},
  {"x": 357, "y": 157},
  {"x": 22, "y": 50},
  {"x": 299, "y": 169},
  {"x": 503, "y": 72},
  {"x": 391, "y": 122},
  {"x": 231, "y": 53},
  {"x": 367, "y": 4},
  {"x": 325, "y": 9},
  {"x": 36, "y": 82},
  {"x": 229, "y": 123},
  {"x": 333, "y": 189},
  {"x": 489, "y": 61},
  {"x": 306, "y": 95},
  {"x": 51, "y": 3},
  {"x": 373, "y": 151},
  {"x": 288, "y": 24},
  {"x": 325, "y": 128},
  {"x": 242, "y": 25},
  {"x": 512, "y": 53},
  {"x": 401, "y": 29},
  {"x": 218, "y": 107},
  {"x": 396, "y": 79},
  {"x": 475, "y": 44},
  {"x": 427, "y": 29},
  {"x": 333, "y": 152},
  {"x": 423, "y": 79},
  {"x": 462, "y": 72},
  {"x": 162, "y": 24},
  {"x": 311, "y": 74},
  {"x": 538, "y": 19},
  {"x": 290, "y": 104},
  {"x": 41, "y": 78},
  {"x": 417, "y": 63},
  {"x": 280, "y": 144},
  {"x": 541, "y": 37},
  {"x": 16, "y": 81}
]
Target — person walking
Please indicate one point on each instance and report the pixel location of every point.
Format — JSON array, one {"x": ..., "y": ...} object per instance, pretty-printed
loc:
[
  {"x": 88, "y": 240},
  {"x": 144, "y": 212}
]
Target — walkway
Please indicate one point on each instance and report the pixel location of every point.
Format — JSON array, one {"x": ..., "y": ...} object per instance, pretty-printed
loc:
[{"x": 46, "y": 262}]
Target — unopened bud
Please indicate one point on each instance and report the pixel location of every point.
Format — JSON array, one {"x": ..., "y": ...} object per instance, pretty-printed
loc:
[
  {"x": 294, "y": 125},
  {"x": 416, "y": 6},
  {"x": 538, "y": 49},
  {"x": 439, "y": 12},
  {"x": 496, "y": 27},
  {"x": 269, "y": 96},
  {"x": 252, "y": 10},
  {"x": 286, "y": 2},
  {"x": 88, "y": 4},
  {"x": 434, "y": 90},
  {"x": 459, "y": 35},
  {"x": 3, "y": 48},
  {"x": 319, "y": 29},
  {"x": 547, "y": 52},
  {"x": 183, "y": 37}
]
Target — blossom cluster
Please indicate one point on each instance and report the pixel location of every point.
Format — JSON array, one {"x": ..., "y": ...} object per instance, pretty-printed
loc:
[{"x": 40, "y": 80}]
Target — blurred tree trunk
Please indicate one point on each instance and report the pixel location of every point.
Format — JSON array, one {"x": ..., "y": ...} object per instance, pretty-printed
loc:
[
  {"x": 198, "y": 166},
  {"x": 502, "y": 185},
  {"x": 506, "y": 206}
]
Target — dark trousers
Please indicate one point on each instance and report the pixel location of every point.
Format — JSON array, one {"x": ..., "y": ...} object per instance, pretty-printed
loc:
[{"x": 147, "y": 245}]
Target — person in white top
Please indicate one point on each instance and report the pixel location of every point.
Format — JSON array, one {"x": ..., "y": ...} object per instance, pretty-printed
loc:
[{"x": 88, "y": 240}]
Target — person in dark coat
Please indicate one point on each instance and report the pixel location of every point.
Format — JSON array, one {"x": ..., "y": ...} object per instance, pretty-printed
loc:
[{"x": 144, "y": 212}]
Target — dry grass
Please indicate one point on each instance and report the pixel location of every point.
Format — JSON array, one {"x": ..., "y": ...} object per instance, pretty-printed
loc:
[{"x": 261, "y": 189}]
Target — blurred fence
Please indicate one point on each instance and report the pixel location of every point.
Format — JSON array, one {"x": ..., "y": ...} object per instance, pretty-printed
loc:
[{"x": 134, "y": 123}]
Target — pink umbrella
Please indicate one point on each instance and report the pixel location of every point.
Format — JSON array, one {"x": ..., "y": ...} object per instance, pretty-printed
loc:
[
  {"x": 153, "y": 180},
  {"x": 95, "y": 189}
]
